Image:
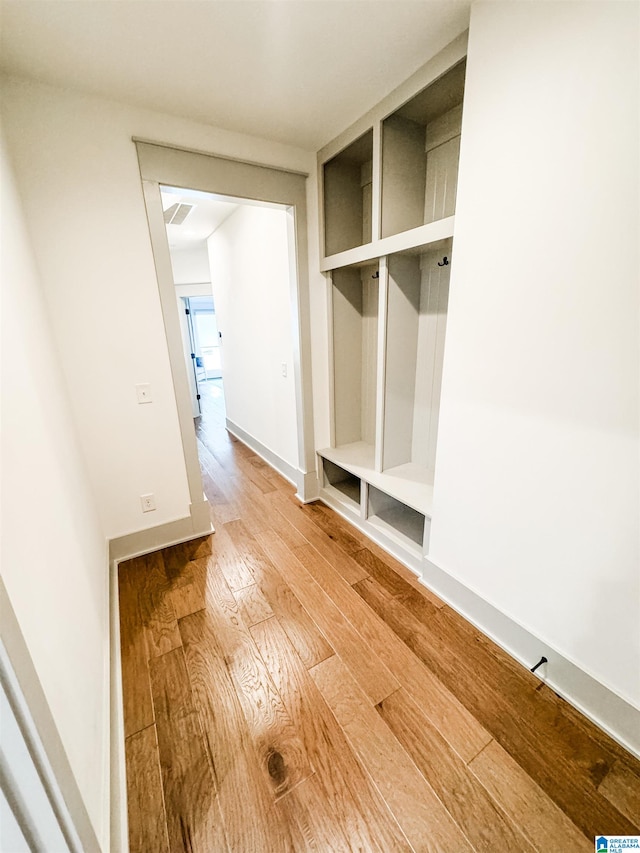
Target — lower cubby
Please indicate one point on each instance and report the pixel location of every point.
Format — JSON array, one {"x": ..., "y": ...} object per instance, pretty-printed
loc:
[
  {"x": 392, "y": 522},
  {"x": 396, "y": 519},
  {"x": 344, "y": 482}
]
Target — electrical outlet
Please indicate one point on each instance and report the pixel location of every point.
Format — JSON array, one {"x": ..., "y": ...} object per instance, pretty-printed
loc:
[
  {"x": 148, "y": 502},
  {"x": 283, "y": 368},
  {"x": 144, "y": 393}
]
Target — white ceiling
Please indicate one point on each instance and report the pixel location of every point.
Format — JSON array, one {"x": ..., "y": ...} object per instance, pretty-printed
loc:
[
  {"x": 207, "y": 214},
  {"x": 295, "y": 71}
]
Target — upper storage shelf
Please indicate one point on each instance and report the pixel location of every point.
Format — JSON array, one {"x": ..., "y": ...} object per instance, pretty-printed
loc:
[
  {"x": 420, "y": 151},
  {"x": 347, "y": 196},
  {"x": 388, "y": 183}
]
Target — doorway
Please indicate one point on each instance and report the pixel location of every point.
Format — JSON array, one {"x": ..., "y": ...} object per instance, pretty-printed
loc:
[
  {"x": 206, "y": 340},
  {"x": 231, "y": 270},
  {"x": 201, "y": 339},
  {"x": 252, "y": 188},
  {"x": 190, "y": 219}
]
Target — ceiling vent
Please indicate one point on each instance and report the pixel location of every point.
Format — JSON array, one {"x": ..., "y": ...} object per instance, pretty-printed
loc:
[{"x": 177, "y": 213}]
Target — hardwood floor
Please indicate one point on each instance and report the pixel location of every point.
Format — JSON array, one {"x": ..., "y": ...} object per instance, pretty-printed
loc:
[{"x": 288, "y": 686}]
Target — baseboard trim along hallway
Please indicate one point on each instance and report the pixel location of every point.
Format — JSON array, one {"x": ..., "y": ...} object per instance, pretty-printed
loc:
[
  {"x": 143, "y": 541},
  {"x": 305, "y": 483}
]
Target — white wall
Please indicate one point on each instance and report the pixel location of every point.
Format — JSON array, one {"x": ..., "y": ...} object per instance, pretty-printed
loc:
[
  {"x": 54, "y": 553},
  {"x": 249, "y": 261},
  {"x": 77, "y": 172},
  {"x": 536, "y": 493},
  {"x": 191, "y": 266}
]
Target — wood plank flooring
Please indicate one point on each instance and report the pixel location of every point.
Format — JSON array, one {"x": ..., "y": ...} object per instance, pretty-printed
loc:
[{"x": 288, "y": 686}]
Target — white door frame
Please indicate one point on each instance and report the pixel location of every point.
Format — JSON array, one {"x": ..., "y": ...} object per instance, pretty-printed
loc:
[
  {"x": 237, "y": 181},
  {"x": 38, "y": 783}
]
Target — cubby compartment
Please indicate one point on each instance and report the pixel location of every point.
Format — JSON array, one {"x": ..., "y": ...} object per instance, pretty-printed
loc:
[
  {"x": 344, "y": 482},
  {"x": 395, "y": 518},
  {"x": 420, "y": 151},
  {"x": 418, "y": 294},
  {"x": 348, "y": 196},
  {"x": 355, "y": 347}
]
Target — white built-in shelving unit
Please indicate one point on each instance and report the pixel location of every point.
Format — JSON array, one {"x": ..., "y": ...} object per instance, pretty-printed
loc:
[{"x": 388, "y": 189}]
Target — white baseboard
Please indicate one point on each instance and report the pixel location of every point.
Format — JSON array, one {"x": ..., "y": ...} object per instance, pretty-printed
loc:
[
  {"x": 119, "y": 829},
  {"x": 602, "y": 706},
  {"x": 306, "y": 483},
  {"x": 308, "y": 487},
  {"x": 198, "y": 523}
]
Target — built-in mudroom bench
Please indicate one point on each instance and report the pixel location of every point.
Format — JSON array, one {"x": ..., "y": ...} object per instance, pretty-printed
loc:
[{"x": 388, "y": 190}]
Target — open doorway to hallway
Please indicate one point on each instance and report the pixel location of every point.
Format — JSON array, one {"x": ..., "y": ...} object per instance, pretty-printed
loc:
[
  {"x": 231, "y": 265},
  {"x": 269, "y": 297},
  {"x": 190, "y": 219}
]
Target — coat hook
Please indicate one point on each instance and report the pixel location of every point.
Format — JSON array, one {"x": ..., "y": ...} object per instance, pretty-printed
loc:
[
  {"x": 445, "y": 262},
  {"x": 376, "y": 274}
]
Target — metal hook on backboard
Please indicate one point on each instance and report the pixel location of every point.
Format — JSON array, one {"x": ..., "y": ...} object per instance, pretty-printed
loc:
[{"x": 445, "y": 262}]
